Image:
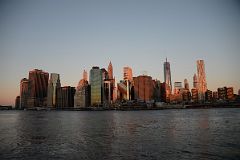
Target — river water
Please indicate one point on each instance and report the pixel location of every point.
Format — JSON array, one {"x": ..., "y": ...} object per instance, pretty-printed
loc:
[{"x": 161, "y": 134}]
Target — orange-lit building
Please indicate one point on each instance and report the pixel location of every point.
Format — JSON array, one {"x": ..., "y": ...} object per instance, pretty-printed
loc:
[
  {"x": 143, "y": 88},
  {"x": 202, "y": 83},
  {"x": 127, "y": 73},
  {"x": 194, "y": 95},
  {"x": 38, "y": 86}
]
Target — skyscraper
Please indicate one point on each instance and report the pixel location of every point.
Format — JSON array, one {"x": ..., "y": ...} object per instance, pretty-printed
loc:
[
  {"x": 24, "y": 93},
  {"x": 53, "y": 84},
  {"x": 167, "y": 75},
  {"x": 85, "y": 76},
  {"x": 110, "y": 71},
  {"x": 143, "y": 87},
  {"x": 65, "y": 97},
  {"x": 127, "y": 73},
  {"x": 96, "y": 85},
  {"x": 186, "y": 84},
  {"x": 195, "y": 81},
  {"x": 82, "y": 95},
  {"x": 38, "y": 85},
  {"x": 202, "y": 84}
]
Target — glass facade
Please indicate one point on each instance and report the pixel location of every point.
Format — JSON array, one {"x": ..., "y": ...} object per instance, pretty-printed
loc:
[{"x": 96, "y": 86}]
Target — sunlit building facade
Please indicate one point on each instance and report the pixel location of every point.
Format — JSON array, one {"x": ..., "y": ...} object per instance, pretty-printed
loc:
[
  {"x": 82, "y": 95},
  {"x": 96, "y": 84},
  {"x": 143, "y": 88},
  {"x": 127, "y": 73},
  {"x": 167, "y": 76},
  {"x": 38, "y": 86},
  {"x": 53, "y": 84},
  {"x": 202, "y": 83}
]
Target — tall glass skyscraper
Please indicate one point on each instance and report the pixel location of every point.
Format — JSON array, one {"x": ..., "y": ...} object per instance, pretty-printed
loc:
[
  {"x": 167, "y": 75},
  {"x": 96, "y": 84},
  {"x": 202, "y": 83},
  {"x": 53, "y": 84}
]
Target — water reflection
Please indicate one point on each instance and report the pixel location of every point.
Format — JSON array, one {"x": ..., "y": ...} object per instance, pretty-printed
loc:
[{"x": 165, "y": 134}]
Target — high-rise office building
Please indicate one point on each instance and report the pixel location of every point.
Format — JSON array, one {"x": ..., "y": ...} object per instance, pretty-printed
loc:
[
  {"x": 167, "y": 75},
  {"x": 202, "y": 83},
  {"x": 110, "y": 70},
  {"x": 65, "y": 97},
  {"x": 17, "y": 102},
  {"x": 186, "y": 84},
  {"x": 143, "y": 88},
  {"x": 195, "y": 81},
  {"x": 127, "y": 73},
  {"x": 24, "y": 93},
  {"x": 82, "y": 95},
  {"x": 85, "y": 75},
  {"x": 38, "y": 85},
  {"x": 177, "y": 87},
  {"x": 96, "y": 85},
  {"x": 53, "y": 84}
]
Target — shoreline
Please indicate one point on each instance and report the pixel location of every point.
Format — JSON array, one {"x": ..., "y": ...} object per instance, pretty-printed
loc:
[{"x": 135, "y": 107}]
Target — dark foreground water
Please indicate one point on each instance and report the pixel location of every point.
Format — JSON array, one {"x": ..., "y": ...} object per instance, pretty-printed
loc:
[{"x": 162, "y": 134}]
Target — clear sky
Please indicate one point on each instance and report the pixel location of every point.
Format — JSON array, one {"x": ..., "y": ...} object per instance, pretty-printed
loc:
[{"x": 68, "y": 36}]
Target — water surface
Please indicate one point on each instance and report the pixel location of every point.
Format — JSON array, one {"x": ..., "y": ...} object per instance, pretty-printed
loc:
[{"x": 161, "y": 134}]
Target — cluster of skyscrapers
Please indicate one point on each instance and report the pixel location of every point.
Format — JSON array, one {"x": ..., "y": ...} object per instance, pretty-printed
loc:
[{"x": 40, "y": 90}]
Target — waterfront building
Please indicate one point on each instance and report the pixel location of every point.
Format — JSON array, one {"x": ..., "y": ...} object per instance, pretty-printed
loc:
[
  {"x": 82, "y": 95},
  {"x": 65, "y": 97},
  {"x": 195, "y": 81},
  {"x": 215, "y": 96},
  {"x": 143, "y": 88},
  {"x": 222, "y": 93},
  {"x": 167, "y": 76},
  {"x": 194, "y": 95},
  {"x": 17, "y": 102},
  {"x": 157, "y": 90},
  {"x": 24, "y": 93},
  {"x": 186, "y": 84},
  {"x": 96, "y": 84},
  {"x": 186, "y": 95},
  {"x": 229, "y": 94},
  {"x": 239, "y": 92},
  {"x": 208, "y": 96},
  {"x": 110, "y": 84},
  {"x": 177, "y": 87},
  {"x": 125, "y": 90},
  {"x": 127, "y": 73},
  {"x": 38, "y": 85},
  {"x": 53, "y": 84},
  {"x": 165, "y": 97},
  {"x": 202, "y": 83}
]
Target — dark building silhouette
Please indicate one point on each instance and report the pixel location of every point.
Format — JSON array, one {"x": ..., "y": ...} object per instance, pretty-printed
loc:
[
  {"x": 38, "y": 85},
  {"x": 208, "y": 96},
  {"x": 17, "y": 102},
  {"x": 65, "y": 97},
  {"x": 24, "y": 93}
]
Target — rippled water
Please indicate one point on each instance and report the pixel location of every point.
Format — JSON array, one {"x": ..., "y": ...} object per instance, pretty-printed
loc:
[{"x": 162, "y": 134}]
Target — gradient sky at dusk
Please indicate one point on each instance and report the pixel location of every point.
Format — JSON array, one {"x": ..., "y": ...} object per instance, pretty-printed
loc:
[{"x": 68, "y": 36}]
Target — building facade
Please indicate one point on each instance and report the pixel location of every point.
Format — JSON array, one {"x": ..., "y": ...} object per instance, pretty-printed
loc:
[
  {"x": 96, "y": 84},
  {"x": 167, "y": 75},
  {"x": 53, "y": 84},
  {"x": 202, "y": 83},
  {"x": 65, "y": 97},
  {"x": 38, "y": 86},
  {"x": 127, "y": 73},
  {"x": 24, "y": 93},
  {"x": 143, "y": 88}
]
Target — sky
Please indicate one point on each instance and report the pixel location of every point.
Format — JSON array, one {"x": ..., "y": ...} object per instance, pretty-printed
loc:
[{"x": 67, "y": 36}]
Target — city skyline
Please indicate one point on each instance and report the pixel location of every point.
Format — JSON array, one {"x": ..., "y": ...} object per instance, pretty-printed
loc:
[{"x": 139, "y": 35}]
